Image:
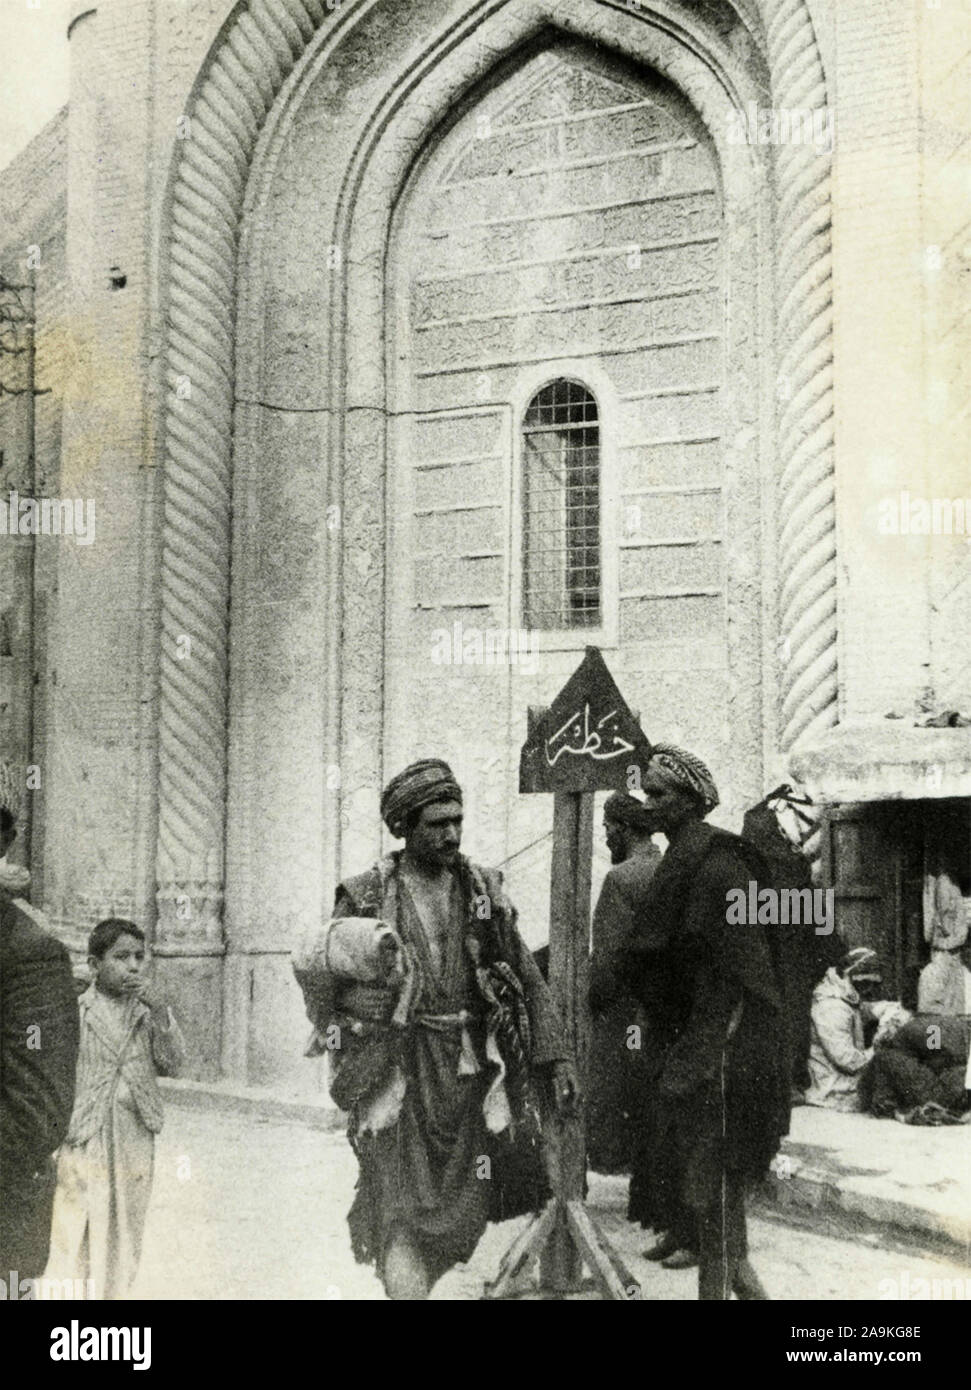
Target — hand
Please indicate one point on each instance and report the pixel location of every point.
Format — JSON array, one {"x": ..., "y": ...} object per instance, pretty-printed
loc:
[
  {"x": 150, "y": 994},
  {"x": 566, "y": 1088}
]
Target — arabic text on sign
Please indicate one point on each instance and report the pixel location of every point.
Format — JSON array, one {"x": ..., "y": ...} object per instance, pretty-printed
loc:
[{"x": 592, "y": 744}]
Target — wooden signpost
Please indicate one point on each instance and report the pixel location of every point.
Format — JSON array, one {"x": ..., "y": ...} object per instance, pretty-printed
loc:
[{"x": 586, "y": 741}]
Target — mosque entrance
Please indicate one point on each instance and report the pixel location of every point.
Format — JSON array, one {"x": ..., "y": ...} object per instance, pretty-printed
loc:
[
  {"x": 555, "y": 418},
  {"x": 896, "y": 867}
]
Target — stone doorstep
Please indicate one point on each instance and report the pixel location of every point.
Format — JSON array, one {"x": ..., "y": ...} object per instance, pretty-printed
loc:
[
  {"x": 854, "y": 1172},
  {"x": 833, "y": 1177},
  {"x": 810, "y": 1198}
]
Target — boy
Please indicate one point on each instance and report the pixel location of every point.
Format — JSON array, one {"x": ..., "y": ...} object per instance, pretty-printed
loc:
[{"x": 104, "y": 1173}]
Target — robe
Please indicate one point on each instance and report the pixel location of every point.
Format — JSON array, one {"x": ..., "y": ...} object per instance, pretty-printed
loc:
[
  {"x": 105, "y": 1167},
  {"x": 837, "y": 1053},
  {"x": 431, "y": 1171},
  {"x": 38, "y": 1002},
  {"x": 625, "y": 1067},
  {"x": 724, "y": 1087},
  {"x": 925, "y": 1060},
  {"x": 944, "y": 986}
]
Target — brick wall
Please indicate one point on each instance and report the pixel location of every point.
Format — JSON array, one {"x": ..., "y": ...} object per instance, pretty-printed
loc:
[
  {"x": 572, "y": 217},
  {"x": 548, "y": 207},
  {"x": 946, "y": 225},
  {"x": 33, "y": 191},
  {"x": 99, "y": 761}
]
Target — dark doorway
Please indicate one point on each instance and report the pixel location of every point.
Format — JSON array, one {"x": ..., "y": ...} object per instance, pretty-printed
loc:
[{"x": 876, "y": 855}]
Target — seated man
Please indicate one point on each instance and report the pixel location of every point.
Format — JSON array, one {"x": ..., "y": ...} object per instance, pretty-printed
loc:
[
  {"x": 920, "y": 1073},
  {"x": 435, "y": 1072},
  {"x": 837, "y": 1054}
]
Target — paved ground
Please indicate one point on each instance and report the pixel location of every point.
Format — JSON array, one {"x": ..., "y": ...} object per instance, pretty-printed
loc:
[
  {"x": 913, "y": 1177},
  {"x": 251, "y": 1208}
]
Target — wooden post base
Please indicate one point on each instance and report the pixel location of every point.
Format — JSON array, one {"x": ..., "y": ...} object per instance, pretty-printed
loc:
[{"x": 610, "y": 1277}]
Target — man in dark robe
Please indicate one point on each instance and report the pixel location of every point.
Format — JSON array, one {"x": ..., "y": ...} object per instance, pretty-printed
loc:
[
  {"x": 38, "y": 1057},
  {"x": 724, "y": 1087},
  {"x": 451, "y": 1141},
  {"x": 803, "y": 957},
  {"x": 631, "y": 1036},
  {"x": 615, "y": 1085}
]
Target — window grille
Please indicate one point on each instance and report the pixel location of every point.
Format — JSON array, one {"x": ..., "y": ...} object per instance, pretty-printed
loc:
[{"x": 561, "y": 509}]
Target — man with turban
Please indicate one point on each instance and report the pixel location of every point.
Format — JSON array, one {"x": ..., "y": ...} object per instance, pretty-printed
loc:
[
  {"x": 631, "y": 1035},
  {"x": 724, "y": 1086},
  {"x": 438, "y": 1075}
]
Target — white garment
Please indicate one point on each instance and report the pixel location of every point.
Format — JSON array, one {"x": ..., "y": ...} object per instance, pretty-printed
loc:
[
  {"x": 944, "y": 986},
  {"x": 836, "y": 1051}
]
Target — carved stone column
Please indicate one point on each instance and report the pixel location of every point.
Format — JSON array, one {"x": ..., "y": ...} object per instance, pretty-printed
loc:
[
  {"x": 805, "y": 438},
  {"x": 220, "y": 134}
]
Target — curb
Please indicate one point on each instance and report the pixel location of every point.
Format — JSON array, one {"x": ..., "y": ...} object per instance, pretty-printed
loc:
[{"x": 813, "y": 1194}]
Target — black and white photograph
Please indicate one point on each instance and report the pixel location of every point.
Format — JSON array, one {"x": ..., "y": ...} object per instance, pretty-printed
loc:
[{"x": 485, "y": 661}]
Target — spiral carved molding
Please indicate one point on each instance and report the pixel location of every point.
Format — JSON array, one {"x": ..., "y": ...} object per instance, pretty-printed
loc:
[
  {"x": 805, "y": 438},
  {"x": 246, "y": 72},
  {"x": 229, "y": 110}
]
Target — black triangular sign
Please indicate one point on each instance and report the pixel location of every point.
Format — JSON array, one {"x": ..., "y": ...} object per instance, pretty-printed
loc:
[{"x": 587, "y": 740}]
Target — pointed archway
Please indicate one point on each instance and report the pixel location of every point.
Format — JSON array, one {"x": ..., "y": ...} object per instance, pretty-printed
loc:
[{"x": 248, "y": 309}]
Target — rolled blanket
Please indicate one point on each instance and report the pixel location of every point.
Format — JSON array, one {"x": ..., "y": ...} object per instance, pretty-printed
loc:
[
  {"x": 347, "y": 955},
  {"x": 362, "y": 950},
  {"x": 357, "y": 970}
]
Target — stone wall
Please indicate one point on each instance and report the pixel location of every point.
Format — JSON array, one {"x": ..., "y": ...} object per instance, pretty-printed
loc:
[
  {"x": 351, "y": 332},
  {"x": 338, "y": 398},
  {"x": 569, "y": 225},
  {"x": 33, "y": 223},
  {"x": 100, "y": 779},
  {"x": 946, "y": 236}
]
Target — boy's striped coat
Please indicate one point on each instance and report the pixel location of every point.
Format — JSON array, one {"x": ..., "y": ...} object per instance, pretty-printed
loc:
[{"x": 137, "y": 1056}]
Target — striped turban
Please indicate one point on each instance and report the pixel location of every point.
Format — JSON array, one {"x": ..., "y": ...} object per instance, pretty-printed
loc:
[
  {"x": 419, "y": 785},
  {"x": 687, "y": 772},
  {"x": 627, "y": 810}
]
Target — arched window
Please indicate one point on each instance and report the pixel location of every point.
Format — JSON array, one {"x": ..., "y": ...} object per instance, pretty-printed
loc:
[{"x": 561, "y": 509}]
